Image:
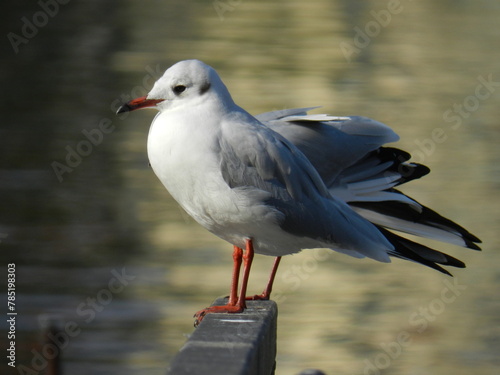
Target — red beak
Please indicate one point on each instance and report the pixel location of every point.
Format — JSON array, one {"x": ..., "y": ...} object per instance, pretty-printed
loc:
[{"x": 138, "y": 103}]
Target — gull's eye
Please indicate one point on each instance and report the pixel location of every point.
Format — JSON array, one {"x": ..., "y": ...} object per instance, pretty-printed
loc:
[{"x": 179, "y": 88}]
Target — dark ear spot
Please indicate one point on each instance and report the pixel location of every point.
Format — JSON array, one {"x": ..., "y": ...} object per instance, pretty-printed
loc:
[{"x": 204, "y": 88}]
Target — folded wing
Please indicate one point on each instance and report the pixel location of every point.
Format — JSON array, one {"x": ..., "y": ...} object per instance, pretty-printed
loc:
[{"x": 349, "y": 155}]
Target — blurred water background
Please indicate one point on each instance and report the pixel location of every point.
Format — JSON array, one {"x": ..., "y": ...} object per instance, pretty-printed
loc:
[{"x": 72, "y": 223}]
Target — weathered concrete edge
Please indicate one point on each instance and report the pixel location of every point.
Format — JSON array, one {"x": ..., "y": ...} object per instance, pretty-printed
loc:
[{"x": 239, "y": 344}]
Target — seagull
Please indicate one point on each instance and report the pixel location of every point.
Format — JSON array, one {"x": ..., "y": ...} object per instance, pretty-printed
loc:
[{"x": 284, "y": 181}]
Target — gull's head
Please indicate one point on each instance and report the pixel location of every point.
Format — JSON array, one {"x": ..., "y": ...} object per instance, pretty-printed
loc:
[{"x": 186, "y": 83}]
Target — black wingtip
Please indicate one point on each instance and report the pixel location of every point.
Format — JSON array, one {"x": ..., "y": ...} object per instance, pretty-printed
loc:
[
  {"x": 409, "y": 171},
  {"x": 416, "y": 252},
  {"x": 473, "y": 246},
  {"x": 426, "y": 216}
]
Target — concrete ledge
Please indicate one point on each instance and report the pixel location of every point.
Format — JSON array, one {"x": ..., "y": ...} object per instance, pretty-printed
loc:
[{"x": 236, "y": 344}]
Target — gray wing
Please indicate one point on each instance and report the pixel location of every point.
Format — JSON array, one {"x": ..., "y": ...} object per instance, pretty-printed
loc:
[
  {"x": 348, "y": 154},
  {"x": 331, "y": 143},
  {"x": 254, "y": 156}
]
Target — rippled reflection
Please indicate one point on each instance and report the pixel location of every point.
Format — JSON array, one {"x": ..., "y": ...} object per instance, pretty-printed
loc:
[{"x": 68, "y": 226}]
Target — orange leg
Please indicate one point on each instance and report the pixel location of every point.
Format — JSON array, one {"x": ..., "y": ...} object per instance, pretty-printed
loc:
[
  {"x": 247, "y": 264},
  {"x": 236, "y": 303},
  {"x": 266, "y": 294},
  {"x": 237, "y": 256}
]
